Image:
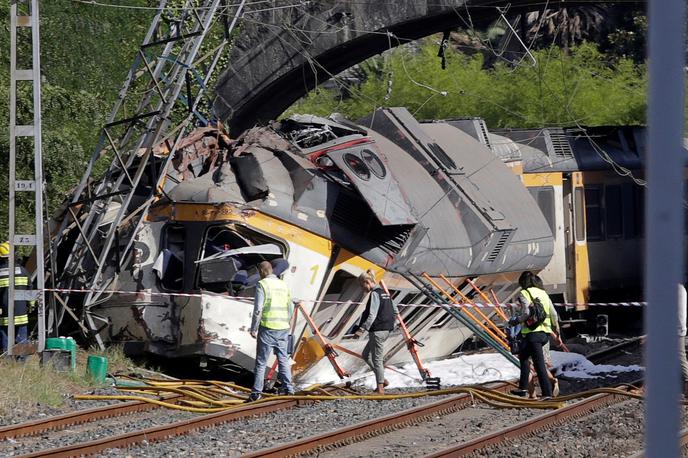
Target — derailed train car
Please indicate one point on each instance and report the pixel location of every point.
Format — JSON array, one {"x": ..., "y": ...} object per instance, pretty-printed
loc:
[
  {"x": 588, "y": 183},
  {"x": 323, "y": 200}
]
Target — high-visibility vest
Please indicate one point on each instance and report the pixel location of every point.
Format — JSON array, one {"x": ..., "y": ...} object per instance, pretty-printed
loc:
[
  {"x": 21, "y": 281},
  {"x": 531, "y": 294},
  {"x": 276, "y": 304}
]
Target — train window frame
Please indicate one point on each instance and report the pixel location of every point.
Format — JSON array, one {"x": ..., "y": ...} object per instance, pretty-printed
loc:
[
  {"x": 417, "y": 314},
  {"x": 628, "y": 200},
  {"x": 639, "y": 211},
  {"x": 364, "y": 172},
  {"x": 442, "y": 320},
  {"x": 374, "y": 163},
  {"x": 544, "y": 196},
  {"x": 594, "y": 207},
  {"x": 162, "y": 282},
  {"x": 243, "y": 232},
  {"x": 613, "y": 212},
  {"x": 408, "y": 309},
  {"x": 351, "y": 307}
]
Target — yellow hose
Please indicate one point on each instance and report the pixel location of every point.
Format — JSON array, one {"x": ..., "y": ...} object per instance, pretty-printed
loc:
[{"x": 216, "y": 396}]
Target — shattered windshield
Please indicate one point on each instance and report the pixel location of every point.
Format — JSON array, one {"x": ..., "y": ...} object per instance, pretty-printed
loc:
[{"x": 229, "y": 259}]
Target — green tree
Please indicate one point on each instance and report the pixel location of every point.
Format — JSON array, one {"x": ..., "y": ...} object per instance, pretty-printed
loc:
[
  {"x": 561, "y": 89},
  {"x": 86, "y": 51}
]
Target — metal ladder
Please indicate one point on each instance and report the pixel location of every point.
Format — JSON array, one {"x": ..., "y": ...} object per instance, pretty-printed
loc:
[
  {"x": 440, "y": 297},
  {"x": 24, "y": 14},
  {"x": 166, "y": 64}
]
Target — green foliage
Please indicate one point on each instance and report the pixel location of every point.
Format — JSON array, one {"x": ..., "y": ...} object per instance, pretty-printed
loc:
[
  {"x": 562, "y": 89},
  {"x": 629, "y": 38},
  {"x": 86, "y": 52}
]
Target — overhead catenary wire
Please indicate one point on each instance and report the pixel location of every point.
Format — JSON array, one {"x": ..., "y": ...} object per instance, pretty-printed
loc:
[
  {"x": 106, "y": 4},
  {"x": 313, "y": 63},
  {"x": 172, "y": 8}
]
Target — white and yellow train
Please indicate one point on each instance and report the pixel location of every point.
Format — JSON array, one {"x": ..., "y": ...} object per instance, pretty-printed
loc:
[
  {"x": 588, "y": 184},
  {"x": 324, "y": 200}
]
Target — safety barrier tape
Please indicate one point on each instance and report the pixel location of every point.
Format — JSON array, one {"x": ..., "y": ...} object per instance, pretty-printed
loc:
[{"x": 250, "y": 299}]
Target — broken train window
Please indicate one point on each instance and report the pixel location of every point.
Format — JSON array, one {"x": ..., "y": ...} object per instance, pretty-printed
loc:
[
  {"x": 229, "y": 259},
  {"x": 170, "y": 263},
  {"x": 357, "y": 166},
  {"x": 374, "y": 163}
]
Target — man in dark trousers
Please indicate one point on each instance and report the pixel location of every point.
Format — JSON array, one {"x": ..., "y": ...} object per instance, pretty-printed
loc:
[
  {"x": 272, "y": 312},
  {"x": 378, "y": 319},
  {"x": 21, "y": 309},
  {"x": 536, "y": 337}
]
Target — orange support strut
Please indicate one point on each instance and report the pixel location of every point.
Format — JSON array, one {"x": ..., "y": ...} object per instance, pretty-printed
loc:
[
  {"x": 326, "y": 346},
  {"x": 469, "y": 314},
  {"x": 410, "y": 342},
  {"x": 498, "y": 309},
  {"x": 477, "y": 309}
]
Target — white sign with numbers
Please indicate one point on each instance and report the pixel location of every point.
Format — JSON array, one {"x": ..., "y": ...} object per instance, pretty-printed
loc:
[
  {"x": 24, "y": 185},
  {"x": 24, "y": 239}
]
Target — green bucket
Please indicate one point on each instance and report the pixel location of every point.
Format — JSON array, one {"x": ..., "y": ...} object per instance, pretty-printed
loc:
[
  {"x": 55, "y": 343},
  {"x": 96, "y": 368},
  {"x": 70, "y": 345}
]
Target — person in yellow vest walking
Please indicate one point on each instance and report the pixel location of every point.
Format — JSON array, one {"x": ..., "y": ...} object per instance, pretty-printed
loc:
[
  {"x": 272, "y": 312},
  {"x": 535, "y": 339},
  {"x": 21, "y": 308}
]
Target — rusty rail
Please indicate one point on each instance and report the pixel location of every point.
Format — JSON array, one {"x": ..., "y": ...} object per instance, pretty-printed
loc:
[
  {"x": 165, "y": 431},
  {"x": 369, "y": 428},
  {"x": 57, "y": 422},
  {"x": 545, "y": 421}
]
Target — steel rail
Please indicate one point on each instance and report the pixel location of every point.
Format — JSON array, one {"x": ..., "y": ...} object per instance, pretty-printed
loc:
[
  {"x": 544, "y": 421},
  {"x": 57, "y": 422},
  {"x": 609, "y": 352},
  {"x": 370, "y": 428},
  {"x": 165, "y": 431}
]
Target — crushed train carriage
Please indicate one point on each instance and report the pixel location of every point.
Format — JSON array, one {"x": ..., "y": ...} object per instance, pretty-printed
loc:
[{"x": 323, "y": 199}]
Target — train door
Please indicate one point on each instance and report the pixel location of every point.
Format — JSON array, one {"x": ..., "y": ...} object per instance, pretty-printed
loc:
[
  {"x": 338, "y": 306},
  {"x": 340, "y": 296},
  {"x": 578, "y": 269},
  {"x": 547, "y": 191}
]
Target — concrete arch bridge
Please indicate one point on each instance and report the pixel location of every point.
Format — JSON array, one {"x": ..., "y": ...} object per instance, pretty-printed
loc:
[{"x": 291, "y": 46}]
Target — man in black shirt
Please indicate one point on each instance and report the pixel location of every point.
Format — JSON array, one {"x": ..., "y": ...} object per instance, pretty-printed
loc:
[{"x": 378, "y": 319}]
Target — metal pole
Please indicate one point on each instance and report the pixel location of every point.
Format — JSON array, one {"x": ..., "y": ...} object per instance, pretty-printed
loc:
[
  {"x": 664, "y": 216},
  {"x": 38, "y": 174},
  {"x": 12, "y": 165}
]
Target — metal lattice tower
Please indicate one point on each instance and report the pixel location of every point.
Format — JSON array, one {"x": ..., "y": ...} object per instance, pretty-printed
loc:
[
  {"x": 23, "y": 16},
  {"x": 156, "y": 105}
]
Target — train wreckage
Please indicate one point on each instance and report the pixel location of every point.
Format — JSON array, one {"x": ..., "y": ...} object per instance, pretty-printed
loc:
[{"x": 323, "y": 199}]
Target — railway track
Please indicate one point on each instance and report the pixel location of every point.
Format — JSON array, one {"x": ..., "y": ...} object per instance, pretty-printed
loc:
[
  {"x": 78, "y": 417},
  {"x": 366, "y": 430},
  {"x": 138, "y": 436},
  {"x": 333, "y": 439},
  {"x": 539, "y": 423},
  {"x": 611, "y": 352}
]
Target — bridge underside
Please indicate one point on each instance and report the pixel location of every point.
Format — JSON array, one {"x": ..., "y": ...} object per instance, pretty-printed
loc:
[{"x": 281, "y": 54}]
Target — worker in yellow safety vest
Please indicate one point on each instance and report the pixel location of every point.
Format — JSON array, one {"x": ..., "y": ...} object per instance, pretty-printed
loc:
[
  {"x": 21, "y": 308},
  {"x": 272, "y": 312},
  {"x": 535, "y": 338}
]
